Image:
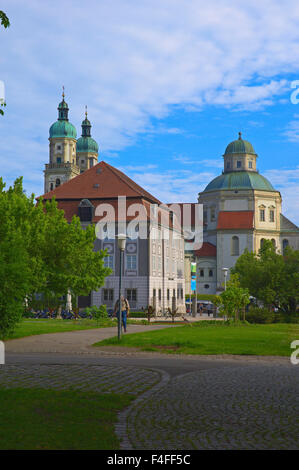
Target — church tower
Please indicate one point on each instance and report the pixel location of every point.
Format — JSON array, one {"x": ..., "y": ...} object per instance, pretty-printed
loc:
[
  {"x": 62, "y": 164},
  {"x": 87, "y": 147}
]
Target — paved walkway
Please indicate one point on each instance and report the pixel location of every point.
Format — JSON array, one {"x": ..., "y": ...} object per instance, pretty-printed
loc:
[
  {"x": 183, "y": 403},
  {"x": 73, "y": 342}
]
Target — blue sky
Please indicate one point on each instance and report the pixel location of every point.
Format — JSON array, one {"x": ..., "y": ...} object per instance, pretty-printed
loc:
[{"x": 168, "y": 85}]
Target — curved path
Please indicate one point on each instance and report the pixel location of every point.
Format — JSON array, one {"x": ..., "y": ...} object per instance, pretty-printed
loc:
[{"x": 198, "y": 402}]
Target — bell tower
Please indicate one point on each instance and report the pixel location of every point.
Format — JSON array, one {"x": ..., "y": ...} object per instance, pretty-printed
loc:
[
  {"x": 87, "y": 147},
  {"x": 62, "y": 164}
]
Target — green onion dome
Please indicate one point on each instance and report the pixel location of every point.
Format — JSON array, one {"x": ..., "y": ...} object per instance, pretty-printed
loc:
[
  {"x": 86, "y": 143},
  {"x": 239, "y": 180},
  {"x": 62, "y": 127}
]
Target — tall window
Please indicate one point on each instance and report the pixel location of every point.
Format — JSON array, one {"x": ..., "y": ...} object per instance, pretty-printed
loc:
[
  {"x": 108, "y": 294},
  {"x": 201, "y": 273},
  {"x": 250, "y": 164},
  {"x": 213, "y": 214},
  {"x": 239, "y": 164},
  {"x": 131, "y": 295},
  {"x": 160, "y": 294},
  {"x": 131, "y": 262},
  {"x": 285, "y": 243},
  {"x": 235, "y": 246},
  {"x": 262, "y": 242},
  {"x": 262, "y": 215},
  {"x": 271, "y": 215},
  {"x": 210, "y": 272},
  {"x": 109, "y": 261},
  {"x": 57, "y": 183},
  {"x": 58, "y": 159},
  {"x": 168, "y": 294},
  {"x": 85, "y": 210}
]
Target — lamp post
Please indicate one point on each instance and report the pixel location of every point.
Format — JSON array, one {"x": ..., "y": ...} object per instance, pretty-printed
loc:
[
  {"x": 121, "y": 241},
  {"x": 225, "y": 271}
]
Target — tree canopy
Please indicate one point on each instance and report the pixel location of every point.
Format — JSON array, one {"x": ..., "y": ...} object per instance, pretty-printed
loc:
[
  {"x": 271, "y": 277},
  {"x": 40, "y": 252}
]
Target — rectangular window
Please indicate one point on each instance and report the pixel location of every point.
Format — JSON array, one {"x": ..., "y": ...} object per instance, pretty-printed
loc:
[
  {"x": 262, "y": 215},
  {"x": 168, "y": 294},
  {"x": 154, "y": 292},
  {"x": 108, "y": 294},
  {"x": 250, "y": 164},
  {"x": 131, "y": 262},
  {"x": 131, "y": 295},
  {"x": 239, "y": 164},
  {"x": 178, "y": 293},
  {"x": 271, "y": 215},
  {"x": 211, "y": 273},
  {"x": 173, "y": 293},
  {"x": 58, "y": 159},
  {"x": 109, "y": 261},
  {"x": 201, "y": 273},
  {"x": 213, "y": 214},
  {"x": 160, "y": 294}
]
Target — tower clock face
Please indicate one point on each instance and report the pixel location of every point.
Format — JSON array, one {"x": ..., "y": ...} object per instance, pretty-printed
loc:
[{"x": 131, "y": 247}]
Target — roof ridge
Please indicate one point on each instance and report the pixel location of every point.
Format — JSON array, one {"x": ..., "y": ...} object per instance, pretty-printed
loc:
[{"x": 127, "y": 180}]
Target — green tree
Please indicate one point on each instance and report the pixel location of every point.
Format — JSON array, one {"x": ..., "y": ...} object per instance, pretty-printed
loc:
[
  {"x": 271, "y": 277},
  {"x": 40, "y": 252},
  {"x": 234, "y": 299}
]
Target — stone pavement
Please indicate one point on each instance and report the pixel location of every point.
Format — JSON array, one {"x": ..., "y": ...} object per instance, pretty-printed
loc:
[
  {"x": 251, "y": 407},
  {"x": 196, "y": 402}
]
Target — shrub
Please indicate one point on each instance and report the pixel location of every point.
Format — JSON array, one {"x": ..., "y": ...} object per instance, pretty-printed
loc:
[
  {"x": 261, "y": 315},
  {"x": 98, "y": 313}
]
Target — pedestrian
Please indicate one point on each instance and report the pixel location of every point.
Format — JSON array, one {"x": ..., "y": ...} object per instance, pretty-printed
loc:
[{"x": 125, "y": 310}]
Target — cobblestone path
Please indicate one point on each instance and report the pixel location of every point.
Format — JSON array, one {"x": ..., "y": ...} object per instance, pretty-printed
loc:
[
  {"x": 248, "y": 407},
  {"x": 102, "y": 379}
]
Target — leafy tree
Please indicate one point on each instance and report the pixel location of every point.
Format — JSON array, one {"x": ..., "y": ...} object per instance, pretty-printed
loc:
[
  {"x": 40, "y": 252},
  {"x": 271, "y": 277},
  {"x": 4, "y": 20},
  {"x": 234, "y": 299}
]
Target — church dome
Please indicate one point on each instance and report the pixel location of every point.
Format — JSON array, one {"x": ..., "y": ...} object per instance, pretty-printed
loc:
[
  {"x": 63, "y": 129},
  {"x": 87, "y": 144},
  {"x": 239, "y": 180},
  {"x": 239, "y": 146}
]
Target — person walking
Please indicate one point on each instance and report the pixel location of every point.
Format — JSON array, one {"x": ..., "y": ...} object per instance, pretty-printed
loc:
[{"x": 125, "y": 310}]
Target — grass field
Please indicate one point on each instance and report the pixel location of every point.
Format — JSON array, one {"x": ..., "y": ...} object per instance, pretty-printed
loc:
[
  {"x": 218, "y": 338},
  {"x": 48, "y": 419},
  {"x": 40, "y": 326}
]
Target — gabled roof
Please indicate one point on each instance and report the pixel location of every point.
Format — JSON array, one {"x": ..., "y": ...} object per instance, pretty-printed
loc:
[
  {"x": 102, "y": 181},
  {"x": 228, "y": 220},
  {"x": 207, "y": 249},
  {"x": 286, "y": 225}
]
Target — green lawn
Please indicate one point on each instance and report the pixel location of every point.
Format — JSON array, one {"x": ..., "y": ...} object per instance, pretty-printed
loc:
[
  {"x": 48, "y": 419},
  {"x": 217, "y": 338},
  {"x": 38, "y": 327}
]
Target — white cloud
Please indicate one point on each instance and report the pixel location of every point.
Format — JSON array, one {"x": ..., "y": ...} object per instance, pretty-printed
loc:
[
  {"x": 292, "y": 131},
  {"x": 134, "y": 61}
]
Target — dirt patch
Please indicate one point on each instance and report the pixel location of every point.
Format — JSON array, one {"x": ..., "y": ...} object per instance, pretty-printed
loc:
[{"x": 165, "y": 347}]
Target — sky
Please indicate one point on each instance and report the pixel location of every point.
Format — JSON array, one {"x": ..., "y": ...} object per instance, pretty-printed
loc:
[{"x": 168, "y": 84}]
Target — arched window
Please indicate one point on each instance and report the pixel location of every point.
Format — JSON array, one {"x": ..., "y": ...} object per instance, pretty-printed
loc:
[
  {"x": 85, "y": 210},
  {"x": 285, "y": 243},
  {"x": 57, "y": 183},
  {"x": 262, "y": 242},
  {"x": 51, "y": 186},
  {"x": 235, "y": 246}
]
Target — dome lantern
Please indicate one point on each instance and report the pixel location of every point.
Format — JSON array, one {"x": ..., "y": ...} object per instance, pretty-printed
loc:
[{"x": 239, "y": 155}]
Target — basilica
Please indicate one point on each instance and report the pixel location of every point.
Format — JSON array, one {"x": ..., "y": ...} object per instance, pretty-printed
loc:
[{"x": 241, "y": 209}]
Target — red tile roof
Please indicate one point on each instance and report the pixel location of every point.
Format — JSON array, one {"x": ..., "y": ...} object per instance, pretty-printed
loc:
[
  {"x": 207, "y": 249},
  {"x": 100, "y": 181},
  {"x": 228, "y": 220}
]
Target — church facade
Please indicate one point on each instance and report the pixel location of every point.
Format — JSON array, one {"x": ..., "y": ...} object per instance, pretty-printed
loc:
[{"x": 241, "y": 209}]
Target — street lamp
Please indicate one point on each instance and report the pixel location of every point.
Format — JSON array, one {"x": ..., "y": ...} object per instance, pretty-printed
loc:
[
  {"x": 225, "y": 271},
  {"x": 121, "y": 241}
]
